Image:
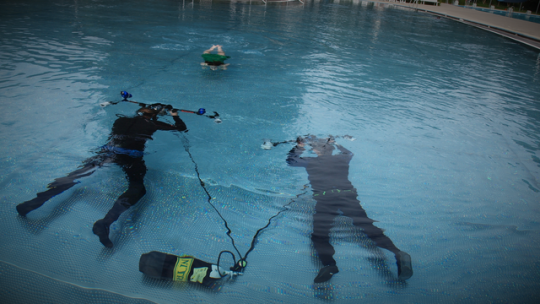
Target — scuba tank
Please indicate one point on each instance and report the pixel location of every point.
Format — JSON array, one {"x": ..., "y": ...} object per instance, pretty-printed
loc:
[{"x": 166, "y": 266}]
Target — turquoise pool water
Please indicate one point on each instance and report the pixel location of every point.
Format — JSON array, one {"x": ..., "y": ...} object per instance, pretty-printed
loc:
[{"x": 446, "y": 129}]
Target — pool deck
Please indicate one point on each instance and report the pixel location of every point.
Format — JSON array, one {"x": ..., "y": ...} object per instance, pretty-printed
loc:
[{"x": 520, "y": 30}]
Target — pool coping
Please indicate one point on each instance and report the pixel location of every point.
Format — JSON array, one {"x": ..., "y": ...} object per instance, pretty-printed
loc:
[{"x": 522, "y": 31}]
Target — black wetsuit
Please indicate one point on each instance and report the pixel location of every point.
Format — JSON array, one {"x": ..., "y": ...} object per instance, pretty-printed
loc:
[
  {"x": 125, "y": 148},
  {"x": 329, "y": 178}
]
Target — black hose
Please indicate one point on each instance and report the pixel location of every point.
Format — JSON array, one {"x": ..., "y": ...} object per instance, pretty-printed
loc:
[
  {"x": 242, "y": 262},
  {"x": 186, "y": 147}
]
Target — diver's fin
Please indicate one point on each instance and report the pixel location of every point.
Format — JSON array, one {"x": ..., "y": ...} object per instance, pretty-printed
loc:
[
  {"x": 326, "y": 273},
  {"x": 404, "y": 265},
  {"x": 102, "y": 230}
]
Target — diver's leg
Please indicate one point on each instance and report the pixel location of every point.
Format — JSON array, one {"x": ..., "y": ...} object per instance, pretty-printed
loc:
[
  {"x": 60, "y": 185},
  {"x": 220, "y": 50},
  {"x": 350, "y": 207},
  {"x": 322, "y": 223},
  {"x": 210, "y": 49},
  {"x": 135, "y": 170}
]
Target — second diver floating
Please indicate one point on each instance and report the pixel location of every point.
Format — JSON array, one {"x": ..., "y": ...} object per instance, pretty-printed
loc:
[{"x": 334, "y": 193}]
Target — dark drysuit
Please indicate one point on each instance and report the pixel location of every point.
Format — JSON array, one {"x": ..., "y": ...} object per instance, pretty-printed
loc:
[{"x": 126, "y": 149}]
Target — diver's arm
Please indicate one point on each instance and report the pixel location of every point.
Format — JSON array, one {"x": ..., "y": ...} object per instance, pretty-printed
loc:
[
  {"x": 210, "y": 49},
  {"x": 294, "y": 159},
  {"x": 179, "y": 124},
  {"x": 343, "y": 150}
]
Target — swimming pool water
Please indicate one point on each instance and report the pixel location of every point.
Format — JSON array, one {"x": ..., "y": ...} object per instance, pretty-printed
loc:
[{"x": 446, "y": 129}]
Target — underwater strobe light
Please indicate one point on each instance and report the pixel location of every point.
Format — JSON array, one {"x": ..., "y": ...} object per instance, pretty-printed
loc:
[{"x": 126, "y": 95}]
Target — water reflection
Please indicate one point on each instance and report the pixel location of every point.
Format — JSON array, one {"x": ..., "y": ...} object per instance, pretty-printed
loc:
[{"x": 447, "y": 129}]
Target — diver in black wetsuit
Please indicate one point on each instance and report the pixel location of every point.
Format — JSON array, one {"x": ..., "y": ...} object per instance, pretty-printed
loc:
[
  {"x": 328, "y": 175},
  {"x": 126, "y": 149}
]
